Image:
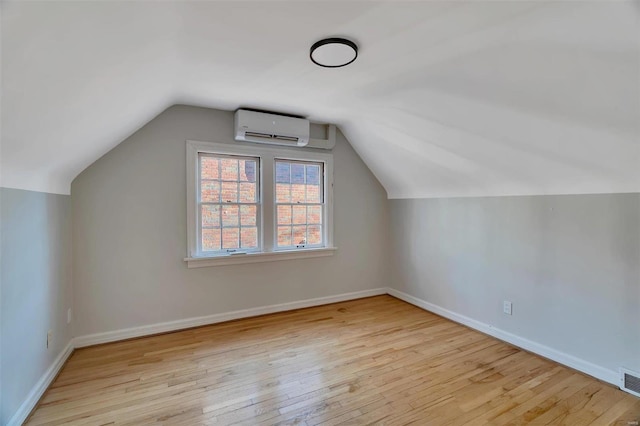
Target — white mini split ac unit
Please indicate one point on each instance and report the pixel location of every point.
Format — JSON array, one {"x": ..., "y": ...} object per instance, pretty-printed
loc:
[{"x": 261, "y": 127}]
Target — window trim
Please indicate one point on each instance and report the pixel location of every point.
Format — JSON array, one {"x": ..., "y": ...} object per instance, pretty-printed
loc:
[
  {"x": 259, "y": 257},
  {"x": 267, "y": 229}
]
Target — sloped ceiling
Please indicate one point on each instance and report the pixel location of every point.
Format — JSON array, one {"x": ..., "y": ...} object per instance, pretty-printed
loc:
[{"x": 446, "y": 98}]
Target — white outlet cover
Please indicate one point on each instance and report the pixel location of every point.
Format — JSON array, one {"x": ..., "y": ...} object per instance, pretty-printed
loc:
[{"x": 507, "y": 307}]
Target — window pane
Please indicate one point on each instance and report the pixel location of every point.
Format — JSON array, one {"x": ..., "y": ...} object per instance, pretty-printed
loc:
[
  {"x": 282, "y": 172},
  {"x": 284, "y": 215},
  {"x": 230, "y": 237},
  {"x": 210, "y": 216},
  {"x": 210, "y": 239},
  {"x": 297, "y": 173},
  {"x": 314, "y": 234},
  {"x": 283, "y": 193},
  {"x": 299, "y": 235},
  {"x": 210, "y": 191},
  {"x": 247, "y": 170},
  {"x": 229, "y": 192},
  {"x": 249, "y": 237},
  {"x": 313, "y": 194},
  {"x": 284, "y": 236},
  {"x": 314, "y": 214},
  {"x": 225, "y": 182},
  {"x": 230, "y": 215},
  {"x": 313, "y": 175},
  {"x": 299, "y": 214},
  {"x": 248, "y": 215},
  {"x": 247, "y": 192},
  {"x": 298, "y": 193},
  {"x": 209, "y": 168},
  {"x": 229, "y": 168}
]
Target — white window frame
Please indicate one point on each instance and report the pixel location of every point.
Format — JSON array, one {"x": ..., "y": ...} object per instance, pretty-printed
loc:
[{"x": 267, "y": 227}]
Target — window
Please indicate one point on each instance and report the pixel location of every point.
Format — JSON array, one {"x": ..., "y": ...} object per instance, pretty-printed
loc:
[
  {"x": 264, "y": 202},
  {"x": 228, "y": 203},
  {"x": 299, "y": 204}
]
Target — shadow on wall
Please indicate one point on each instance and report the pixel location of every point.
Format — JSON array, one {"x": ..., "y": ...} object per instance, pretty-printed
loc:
[{"x": 36, "y": 289}]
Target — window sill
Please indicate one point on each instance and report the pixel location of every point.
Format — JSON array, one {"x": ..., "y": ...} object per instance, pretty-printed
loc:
[{"x": 237, "y": 259}]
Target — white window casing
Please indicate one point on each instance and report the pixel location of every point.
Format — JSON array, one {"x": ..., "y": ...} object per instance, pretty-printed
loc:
[{"x": 267, "y": 249}]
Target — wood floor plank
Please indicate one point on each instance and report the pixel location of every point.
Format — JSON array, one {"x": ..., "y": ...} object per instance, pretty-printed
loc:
[{"x": 369, "y": 361}]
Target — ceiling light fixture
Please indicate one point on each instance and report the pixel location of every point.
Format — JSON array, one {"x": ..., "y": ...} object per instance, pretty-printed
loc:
[{"x": 333, "y": 52}]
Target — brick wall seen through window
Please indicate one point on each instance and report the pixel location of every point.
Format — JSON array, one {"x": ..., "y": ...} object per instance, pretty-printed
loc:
[{"x": 229, "y": 203}]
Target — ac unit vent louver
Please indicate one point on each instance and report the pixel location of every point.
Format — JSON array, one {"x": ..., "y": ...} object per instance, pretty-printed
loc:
[
  {"x": 630, "y": 381},
  {"x": 268, "y": 137}
]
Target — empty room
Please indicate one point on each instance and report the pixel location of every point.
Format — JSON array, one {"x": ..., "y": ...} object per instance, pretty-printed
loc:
[{"x": 320, "y": 212}]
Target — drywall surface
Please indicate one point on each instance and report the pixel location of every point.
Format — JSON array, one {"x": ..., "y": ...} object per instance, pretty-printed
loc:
[
  {"x": 36, "y": 289},
  {"x": 130, "y": 234},
  {"x": 569, "y": 264},
  {"x": 471, "y": 98}
]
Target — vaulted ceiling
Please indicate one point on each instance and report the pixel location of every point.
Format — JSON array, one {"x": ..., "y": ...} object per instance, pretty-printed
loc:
[{"x": 446, "y": 98}]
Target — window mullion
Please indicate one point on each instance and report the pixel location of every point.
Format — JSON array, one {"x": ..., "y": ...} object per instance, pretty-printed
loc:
[
  {"x": 239, "y": 240},
  {"x": 219, "y": 166},
  {"x": 220, "y": 215},
  {"x": 267, "y": 194}
]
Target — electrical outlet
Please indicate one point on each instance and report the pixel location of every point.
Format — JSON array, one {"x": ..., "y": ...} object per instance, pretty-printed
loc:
[
  {"x": 506, "y": 307},
  {"x": 49, "y": 338},
  {"x": 69, "y": 316}
]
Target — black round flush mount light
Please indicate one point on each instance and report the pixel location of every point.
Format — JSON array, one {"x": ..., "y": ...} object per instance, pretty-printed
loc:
[{"x": 333, "y": 52}]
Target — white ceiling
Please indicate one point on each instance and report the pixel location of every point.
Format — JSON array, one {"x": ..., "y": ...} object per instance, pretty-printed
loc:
[{"x": 445, "y": 99}]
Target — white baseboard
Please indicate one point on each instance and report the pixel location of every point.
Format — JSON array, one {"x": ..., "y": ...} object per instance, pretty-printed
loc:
[
  {"x": 38, "y": 390},
  {"x": 604, "y": 374},
  {"x": 146, "y": 330},
  {"x": 111, "y": 336}
]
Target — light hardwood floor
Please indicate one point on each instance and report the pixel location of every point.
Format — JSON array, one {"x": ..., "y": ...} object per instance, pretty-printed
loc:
[{"x": 369, "y": 361}]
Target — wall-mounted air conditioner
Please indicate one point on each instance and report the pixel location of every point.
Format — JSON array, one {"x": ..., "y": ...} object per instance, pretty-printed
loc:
[{"x": 261, "y": 127}]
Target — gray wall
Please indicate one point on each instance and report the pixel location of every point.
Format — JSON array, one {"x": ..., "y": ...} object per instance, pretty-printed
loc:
[
  {"x": 129, "y": 234},
  {"x": 570, "y": 265},
  {"x": 36, "y": 289}
]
